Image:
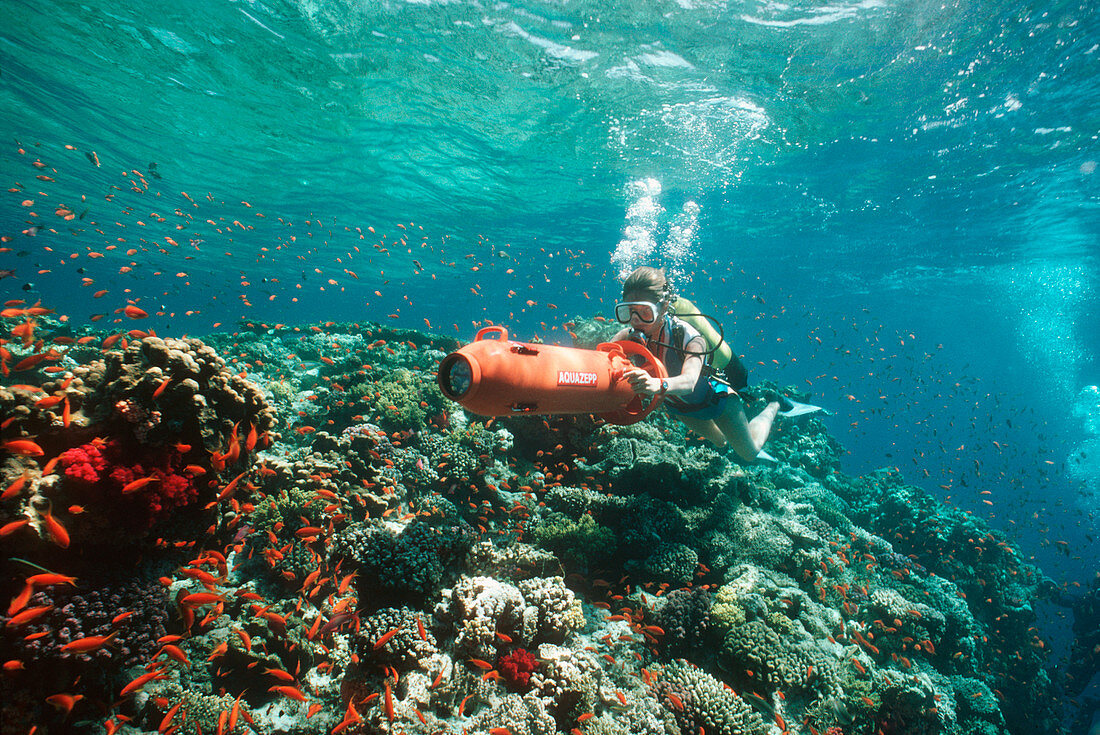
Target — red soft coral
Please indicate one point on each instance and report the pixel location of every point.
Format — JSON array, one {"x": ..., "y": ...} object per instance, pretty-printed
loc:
[
  {"x": 84, "y": 463},
  {"x": 516, "y": 668},
  {"x": 174, "y": 491},
  {"x": 100, "y": 464}
]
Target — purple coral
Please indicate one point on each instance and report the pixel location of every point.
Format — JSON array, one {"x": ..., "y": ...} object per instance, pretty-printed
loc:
[{"x": 79, "y": 613}]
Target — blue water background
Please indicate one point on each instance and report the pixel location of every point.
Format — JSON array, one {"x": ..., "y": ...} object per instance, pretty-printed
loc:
[{"x": 891, "y": 205}]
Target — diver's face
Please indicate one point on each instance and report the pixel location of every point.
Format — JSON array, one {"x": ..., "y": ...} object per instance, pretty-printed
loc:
[{"x": 648, "y": 316}]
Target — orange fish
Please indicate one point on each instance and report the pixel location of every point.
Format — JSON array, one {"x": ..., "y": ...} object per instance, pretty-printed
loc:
[
  {"x": 198, "y": 599},
  {"x": 15, "y": 487},
  {"x": 280, "y": 674},
  {"x": 9, "y": 528},
  {"x": 28, "y": 616},
  {"x": 289, "y": 692},
  {"x": 45, "y": 580},
  {"x": 23, "y": 446},
  {"x": 386, "y": 639},
  {"x": 55, "y": 530},
  {"x": 351, "y": 717},
  {"x": 48, "y": 401},
  {"x": 20, "y": 601},
  {"x": 133, "y": 487},
  {"x": 64, "y": 702},
  {"x": 176, "y": 653},
  {"x": 134, "y": 312},
  {"x": 89, "y": 644},
  {"x": 160, "y": 388},
  {"x": 141, "y": 681},
  {"x": 230, "y": 488}
]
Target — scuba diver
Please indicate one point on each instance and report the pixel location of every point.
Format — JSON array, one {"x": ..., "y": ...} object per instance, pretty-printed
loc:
[{"x": 694, "y": 392}]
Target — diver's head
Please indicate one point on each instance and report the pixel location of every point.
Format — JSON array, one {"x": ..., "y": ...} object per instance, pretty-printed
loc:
[{"x": 646, "y": 296}]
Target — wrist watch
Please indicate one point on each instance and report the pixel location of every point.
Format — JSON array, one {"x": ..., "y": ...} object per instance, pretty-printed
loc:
[{"x": 664, "y": 388}]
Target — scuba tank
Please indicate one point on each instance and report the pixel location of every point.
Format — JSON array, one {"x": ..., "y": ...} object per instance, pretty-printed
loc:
[{"x": 721, "y": 355}]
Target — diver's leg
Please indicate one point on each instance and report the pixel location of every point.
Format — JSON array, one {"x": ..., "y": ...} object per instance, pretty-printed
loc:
[
  {"x": 746, "y": 437},
  {"x": 706, "y": 429},
  {"x": 761, "y": 425}
]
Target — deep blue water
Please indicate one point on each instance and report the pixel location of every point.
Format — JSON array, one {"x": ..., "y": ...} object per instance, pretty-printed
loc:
[{"x": 891, "y": 205}]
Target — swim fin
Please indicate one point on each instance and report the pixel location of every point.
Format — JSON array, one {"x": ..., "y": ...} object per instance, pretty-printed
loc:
[
  {"x": 763, "y": 457},
  {"x": 790, "y": 409}
]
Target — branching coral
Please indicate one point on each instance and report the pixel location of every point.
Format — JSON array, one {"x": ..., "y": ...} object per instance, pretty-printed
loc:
[{"x": 701, "y": 702}]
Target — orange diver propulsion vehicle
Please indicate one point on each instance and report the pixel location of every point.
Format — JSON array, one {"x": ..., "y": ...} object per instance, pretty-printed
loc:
[{"x": 495, "y": 376}]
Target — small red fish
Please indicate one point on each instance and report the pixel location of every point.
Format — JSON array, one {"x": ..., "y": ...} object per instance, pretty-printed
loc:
[
  {"x": 198, "y": 599},
  {"x": 133, "y": 487},
  {"x": 28, "y": 616},
  {"x": 289, "y": 692},
  {"x": 385, "y": 638},
  {"x": 141, "y": 681},
  {"x": 64, "y": 702},
  {"x": 160, "y": 388},
  {"x": 89, "y": 644},
  {"x": 23, "y": 446},
  {"x": 55, "y": 530},
  {"x": 45, "y": 580},
  {"x": 15, "y": 488}
]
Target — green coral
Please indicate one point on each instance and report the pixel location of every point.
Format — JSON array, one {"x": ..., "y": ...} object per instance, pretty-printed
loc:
[
  {"x": 402, "y": 400},
  {"x": 727, "y": 612},
  {"x": 669, "y": 562},
  {"x": 581, "y": 543},
  {"x": 286, "y": 507},
  {"x": 281, "y": 390}
]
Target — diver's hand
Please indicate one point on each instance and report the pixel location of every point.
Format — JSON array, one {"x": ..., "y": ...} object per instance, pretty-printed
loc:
[{"x": 642, "y": 382}]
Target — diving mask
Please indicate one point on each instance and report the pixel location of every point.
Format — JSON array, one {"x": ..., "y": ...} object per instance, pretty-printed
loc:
[{"x": 644, "y": 310}]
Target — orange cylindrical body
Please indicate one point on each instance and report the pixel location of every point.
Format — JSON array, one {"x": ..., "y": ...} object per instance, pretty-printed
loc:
[{"x": 501, "y": 377}]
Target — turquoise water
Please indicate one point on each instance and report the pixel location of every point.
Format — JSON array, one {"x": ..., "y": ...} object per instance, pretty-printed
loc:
[
  {"x": 891, "y": 205},
  {"x": 910, "y": 168}
]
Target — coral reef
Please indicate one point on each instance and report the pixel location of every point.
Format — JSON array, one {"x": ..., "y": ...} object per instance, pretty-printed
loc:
[{"x": 390, "y": 564}]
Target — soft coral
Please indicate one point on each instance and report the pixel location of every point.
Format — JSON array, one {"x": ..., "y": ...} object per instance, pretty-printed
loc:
[
  {"x": 516, "y": 668},
  {"x": 84, "y": 463},
  {"x": 101, "y": 464}
]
